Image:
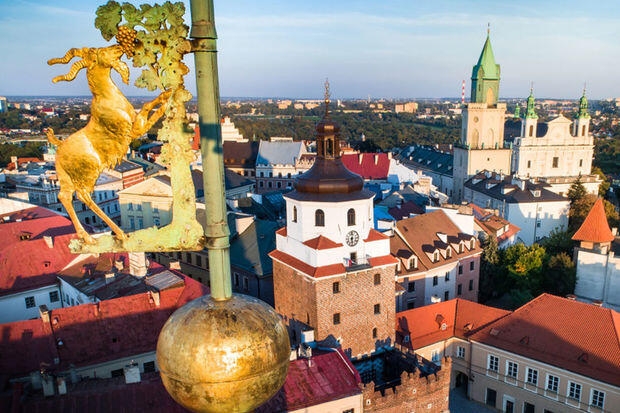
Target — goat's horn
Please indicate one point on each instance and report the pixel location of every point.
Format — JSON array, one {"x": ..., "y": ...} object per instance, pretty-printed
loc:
[
  {"x": 71, "y": 53},
  {"x": 77, "y": 66}
]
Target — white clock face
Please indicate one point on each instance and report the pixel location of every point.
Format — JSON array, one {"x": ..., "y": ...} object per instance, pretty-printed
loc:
[{"x": 352, "y": 238}]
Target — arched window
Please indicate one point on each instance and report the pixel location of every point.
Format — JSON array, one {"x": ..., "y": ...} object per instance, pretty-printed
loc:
[
  {"x": 531, "y": 132},
  {"x": 319, "y": 218},
  {"x": 351, "y": 217},
  {"x": 294, "y": 214},
  {"x": 583, "y": 130},
  {"x": 374, "y": 332}
]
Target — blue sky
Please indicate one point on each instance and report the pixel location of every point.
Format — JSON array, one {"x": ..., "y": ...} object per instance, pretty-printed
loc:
[{"x": 392, "y": 49}]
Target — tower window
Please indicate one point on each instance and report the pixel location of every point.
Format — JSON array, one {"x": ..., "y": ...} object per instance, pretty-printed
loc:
[
  {"x": 583, "y": 130},
  {"x": 435, "y": 280},
  {"x": 531, "y": 133},
  {"x": 294, "y": 214},
  {"x": 529, "y": 164},
  {"x": 556, "y": 161},
  {"x": 351, "y": 217},
  {"x": 377, "y": 308},
  {"x": 377, "y": 279},
  {"x": 374, "y": 332},
  {"x": 319, "y": 218},
  {"x": 336, "y": 287}
]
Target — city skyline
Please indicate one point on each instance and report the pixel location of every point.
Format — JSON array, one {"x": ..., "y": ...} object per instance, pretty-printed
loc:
[{"x": 394, "y": 50}]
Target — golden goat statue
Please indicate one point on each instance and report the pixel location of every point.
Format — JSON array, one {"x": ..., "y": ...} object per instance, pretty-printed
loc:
[{"x": 104, "y": 141}]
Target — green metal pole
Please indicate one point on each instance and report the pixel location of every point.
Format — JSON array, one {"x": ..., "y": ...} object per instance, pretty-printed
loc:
[{"x": 216, "y": 230}]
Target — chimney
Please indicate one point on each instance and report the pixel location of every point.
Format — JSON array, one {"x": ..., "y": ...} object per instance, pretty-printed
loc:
[
  {"x": 49, "y": 241},
  {"x": 109, "y": 278},
  {"x": 174, "y": 265},
  {"x": 44, "y": 313},
  {"x": 138, "y": 264},
  {"x": 154, "y": 298},
  {"x": 119, "y": 264}
]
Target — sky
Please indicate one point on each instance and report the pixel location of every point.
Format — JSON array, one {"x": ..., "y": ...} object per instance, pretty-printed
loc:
[{"x": 379, "y": 49}]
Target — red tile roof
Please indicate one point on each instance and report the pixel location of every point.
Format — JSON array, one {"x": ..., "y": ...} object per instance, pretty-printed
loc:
[
  {"x": 461, "y": 318},
  {"x": 579, "y": 337},
  {"x": 33, "y": 248},
  {"x": 281, "y": 231},
  {"x": 93, "y": 333},
  {"x": 368, "y": 165},
  {"x": 595, "y": 227},
  {"x": 374, "y": 235},
  {"x": 326, "y": 377},
  {"x": 321, "y": 243}
]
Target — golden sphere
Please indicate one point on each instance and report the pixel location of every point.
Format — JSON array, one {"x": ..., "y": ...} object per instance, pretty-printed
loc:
[{"x": 223, "y": 356}]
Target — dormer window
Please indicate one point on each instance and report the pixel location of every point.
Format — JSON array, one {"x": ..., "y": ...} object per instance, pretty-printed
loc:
[
  {"x": 461, "y": 248},
  {"x": 448, "y": 253},
  {"x": 319, "y": 218},
  {"x": 472, "y": 243},
  {"x": 412, "y": 263},
  {"x": 436, "y": 256}
]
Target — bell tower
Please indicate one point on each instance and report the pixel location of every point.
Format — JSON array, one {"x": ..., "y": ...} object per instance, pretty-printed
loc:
[
  {"x": 481, "y": 146},
  {"x": 332, "y": 271}
]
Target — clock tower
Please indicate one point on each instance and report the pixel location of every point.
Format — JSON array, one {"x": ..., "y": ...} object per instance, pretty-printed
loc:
[{"x": 332, "y": 271}]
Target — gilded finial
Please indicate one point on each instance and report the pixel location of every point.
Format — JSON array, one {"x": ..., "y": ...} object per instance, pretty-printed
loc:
[
  {"x": 584, "y": 88},
  {"x": 488, "y": 28}
]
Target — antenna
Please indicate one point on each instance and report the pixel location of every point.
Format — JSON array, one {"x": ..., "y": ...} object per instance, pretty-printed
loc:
[{"x": 463, "y": 92}]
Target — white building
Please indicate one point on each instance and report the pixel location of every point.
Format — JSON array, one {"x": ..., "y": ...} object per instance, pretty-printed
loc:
[
  {"x": 529, "y": 205},
  {"x": 278, "y": 162}
]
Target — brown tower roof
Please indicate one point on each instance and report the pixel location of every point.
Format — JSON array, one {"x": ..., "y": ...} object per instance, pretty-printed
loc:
[
  {"x": 328, "y": 178},
  {"x": 595, "y": 227}
]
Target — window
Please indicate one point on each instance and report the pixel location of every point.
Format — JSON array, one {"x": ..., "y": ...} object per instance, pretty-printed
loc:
[
  {"x": 531, "y": 133},
  {"x": 30, "y": 302},
  {"x": 446, "y": 295},
  {"x": 493, "y": 363},
  {"x": 597, "y": 399},
  {"x": 491, "y": 397},
  {"x": 236, "y": 277},
  {"x": 529, "y": 408},
  {"x": 436, "y": 357},
  {"x": 349, "y": 411},
  {"x": 574, "y": 391},
  {"x": 411, "y": 286},
  {"x": 351, "y": 217},
  {"x": 412, "y": 263},
  {"x": 556, "y": 161},
  {"x": 447, "y": 276},
  {"x": 149, "y": 366},
  {"x": 529, "y": 164},
  {"x": 279, "y": 184},
  {"x": 269, "y": 184},
  {"x": 531, "y": 376},
  {"x": 336, "y": 318},
  {"x": 460, "y": 352},
  {"x": 512, "y": 369},
  {"x": 377, "y": 308},
  {"x": 374, "y": 332},
  {"x": 377, "y": 279},
  {"x": 130, "y": 207},
  {"x": 460, "y": 269},
  {"x": 472, "y": 265},
  {"x": 198, "y": 260},
  {"x": 117, "y": 373},
  {"x": 436, "y": 256},
  {"x": 553, "y": 383},
  {"x": 54, "y": 296},
  {"x": 319, "y": 218},
  {"x": 138, "y": 207},
  {"x": 459, "y": 289},
  {"x": 336, "y": 287},
  {"x": 410, "y": 304},
  {"x": 294, "y": 219},
  {"x": 581, "y": 162},
  {"x": 435, "y": 280}
]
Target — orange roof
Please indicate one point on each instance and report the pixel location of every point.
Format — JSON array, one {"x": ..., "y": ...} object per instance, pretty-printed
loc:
[
  {"x": 461, "y": 318},
  {"x": 595, "y": 227},
  {"x": 321, "y": 243},
  {"x": 374, "y": 235},
  {"x": 281, "y": 231},
  {"x": 579, "y": 337}
]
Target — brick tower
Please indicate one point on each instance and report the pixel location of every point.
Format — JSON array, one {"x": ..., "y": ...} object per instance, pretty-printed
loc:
[{"x": 332, "y": 272}]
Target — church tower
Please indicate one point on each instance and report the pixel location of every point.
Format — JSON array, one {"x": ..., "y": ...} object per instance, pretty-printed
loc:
[
  {"x": 581, "y": 124},
  {"x": 332, "y": 271},
  {"x": 481, "y": 146},
  {"x": 530, "y": 120}
]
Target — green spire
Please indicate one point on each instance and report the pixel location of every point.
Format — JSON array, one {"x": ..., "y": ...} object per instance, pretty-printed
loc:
[
  {"x": 530, "y": 112},
  {"x": 485, "y": 76},
  {"x": 583, "y": 106},
  {"x": 517, "y": 111}
]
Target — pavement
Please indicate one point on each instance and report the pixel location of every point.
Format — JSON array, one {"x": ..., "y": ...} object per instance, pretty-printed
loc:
[{"x": 460, "y": 404}]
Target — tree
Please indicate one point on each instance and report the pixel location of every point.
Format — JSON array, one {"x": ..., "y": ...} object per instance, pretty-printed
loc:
[
  {"x": 605, "y": 184},
  {"x": 490, "y": 277},
  {"x": 560, "y": 275},
  {"x": 559, "y": 240}
]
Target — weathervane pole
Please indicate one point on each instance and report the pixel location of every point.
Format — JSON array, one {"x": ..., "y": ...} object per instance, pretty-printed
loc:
[{"x": 204, "y": 39}]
